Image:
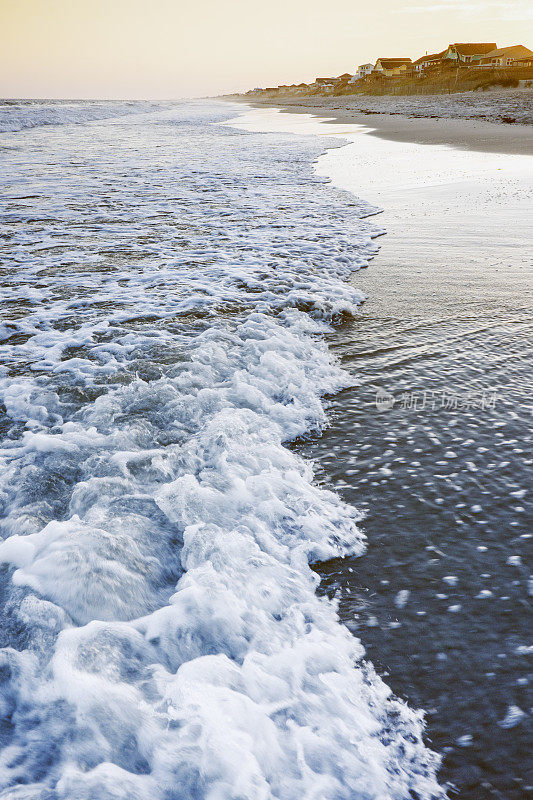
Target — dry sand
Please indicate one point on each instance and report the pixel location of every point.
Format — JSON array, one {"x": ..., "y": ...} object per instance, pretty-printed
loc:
[{"x": 456, "y": 120}]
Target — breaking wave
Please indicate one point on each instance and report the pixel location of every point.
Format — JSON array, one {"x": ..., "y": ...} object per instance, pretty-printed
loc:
[
  {"x": 17, "y": 115},
  {"x": 163, "y": 341}
]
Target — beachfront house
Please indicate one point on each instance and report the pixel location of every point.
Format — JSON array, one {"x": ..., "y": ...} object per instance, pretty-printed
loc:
[
  {"x": 343, "y": 80},
  {"x": 506, "y": 56},
  {"x": 524, "y": 62},
  {"x": 428, "y": 61},
  {"x": 392, "y": 67},
  {"x": 363, "y": 70},
  {"x": 328, "y": 84},
  {"x": 468, "y": 52},
  {"x": 325, "y": 83}
]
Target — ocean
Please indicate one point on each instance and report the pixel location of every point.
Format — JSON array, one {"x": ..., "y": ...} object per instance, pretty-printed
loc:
[{"x": 169, "y": 289}]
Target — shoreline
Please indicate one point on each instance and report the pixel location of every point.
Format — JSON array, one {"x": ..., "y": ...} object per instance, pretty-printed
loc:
[
  {"x": 418, "y": 597},
  {"x": 459, "y": 132}
]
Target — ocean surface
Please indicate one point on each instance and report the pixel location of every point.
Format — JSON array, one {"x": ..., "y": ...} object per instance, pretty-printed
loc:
[
  {"x": 434, "y": 443},
  {"x": 435, "y": 446},
  {"x": 169, "y": 286}
]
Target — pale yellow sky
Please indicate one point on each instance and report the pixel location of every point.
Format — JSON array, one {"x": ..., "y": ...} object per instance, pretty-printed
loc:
[{"x": 173, "y": 48}]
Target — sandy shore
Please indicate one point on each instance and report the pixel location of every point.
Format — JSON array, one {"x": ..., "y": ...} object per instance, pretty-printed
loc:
[{"x": 450, "y": 120}]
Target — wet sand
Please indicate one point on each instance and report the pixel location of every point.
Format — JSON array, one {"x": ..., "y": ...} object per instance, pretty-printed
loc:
[{"x": 470, "y": 134}]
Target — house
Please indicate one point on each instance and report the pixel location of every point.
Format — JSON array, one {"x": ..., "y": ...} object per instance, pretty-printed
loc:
[
  {"x": 428, "y": 61},
  {"x": 392, "y": 66},
  {"x": 362, "y": 71},
  {"x": 325, "y": 83},
  {"x": 468, "y": 52},
  {"x": 344, "y": 78},
  {"x": 506, "y": 56},
  {"x": 524, "y": 62}
]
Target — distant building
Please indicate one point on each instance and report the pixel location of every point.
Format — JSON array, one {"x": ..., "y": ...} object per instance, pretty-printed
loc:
[
  {"x": 392, "y": 66},
  {"x": 325, "y": 82},
  {"x": 362, "y": 71},
  {"x": 344, "y": 79},
  {"x": 428, "y": 61},
  {"x": 506, "y": 56},
  {"x": 468, "y": 52}
]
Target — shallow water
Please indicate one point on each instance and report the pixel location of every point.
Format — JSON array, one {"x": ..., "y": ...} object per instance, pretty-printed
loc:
[
  {"x": 447, "y": 331},
  {"x": 440, "y": 599},
  {"x": 434, "y": 444},
  {"x": 442, "y": 467},
  {"x": 167, "y": 287}
]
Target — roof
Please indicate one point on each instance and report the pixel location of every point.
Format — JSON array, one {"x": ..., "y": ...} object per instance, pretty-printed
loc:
[
  {"x": 365, "y": 65},
  {"x": 514, "y": 51},
  {"x": 431, "y": 57},
  {"x": 344, "y": 75},
  {"x": 391, "y": 63},
  {"x": 473, "y": 48},
  {"x": 325, "y": 80}
]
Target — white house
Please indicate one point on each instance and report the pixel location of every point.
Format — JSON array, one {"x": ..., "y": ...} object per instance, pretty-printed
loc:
[{"x": 362, "y": 71}]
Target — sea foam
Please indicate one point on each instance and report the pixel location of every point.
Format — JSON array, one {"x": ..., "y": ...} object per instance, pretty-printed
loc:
[{"x": 169, "y": 286}]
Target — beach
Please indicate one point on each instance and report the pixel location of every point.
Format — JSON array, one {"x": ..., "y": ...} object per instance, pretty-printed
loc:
[
  {"x": 433, "y": 443},
  {"x": 264, "y": 458},
  {"x": 266, "y": 451},
  {"x": 472, "y": 120}
]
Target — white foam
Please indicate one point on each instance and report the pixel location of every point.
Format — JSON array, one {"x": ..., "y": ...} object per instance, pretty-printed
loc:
[{"x": 168, "y": 641}]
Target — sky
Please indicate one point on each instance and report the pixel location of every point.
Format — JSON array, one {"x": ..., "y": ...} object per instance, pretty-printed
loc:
[{"x": 166, "y": 49}]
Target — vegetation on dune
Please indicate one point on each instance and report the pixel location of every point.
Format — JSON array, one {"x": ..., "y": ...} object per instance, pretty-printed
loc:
[
  {"x": 444, "y": 79},
  {"x": 440, "y": 81}
]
